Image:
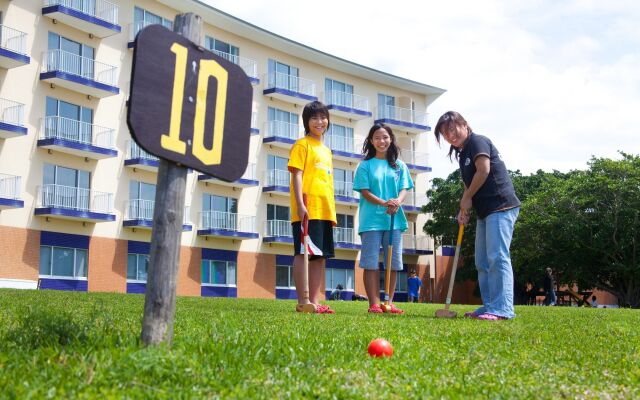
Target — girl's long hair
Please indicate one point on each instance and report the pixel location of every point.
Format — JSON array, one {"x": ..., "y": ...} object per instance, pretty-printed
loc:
[
  {"x": 369, "y": 151},
  {"x": 447, "y": 121}
]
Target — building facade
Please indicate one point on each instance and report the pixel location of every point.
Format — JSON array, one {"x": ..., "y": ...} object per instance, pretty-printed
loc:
[{"x": 77, "y": 194}]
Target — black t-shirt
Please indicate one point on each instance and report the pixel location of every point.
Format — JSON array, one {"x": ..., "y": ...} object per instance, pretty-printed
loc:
[{"x": 497, "y": 192}]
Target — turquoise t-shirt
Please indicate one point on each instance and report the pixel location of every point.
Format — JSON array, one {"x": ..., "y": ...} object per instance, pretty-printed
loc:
[{"x": 382, "y": 180}]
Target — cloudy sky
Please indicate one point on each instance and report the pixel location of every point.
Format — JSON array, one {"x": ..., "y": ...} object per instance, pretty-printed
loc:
[{"x": 551, "y": 82}]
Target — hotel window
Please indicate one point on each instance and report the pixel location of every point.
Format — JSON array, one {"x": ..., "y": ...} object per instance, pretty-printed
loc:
[
  {"x": 66, "y": 58},
  {"x": 219, "y": 46},
  {"x": 212, "y": 202},
  {"x": 339, "y": 276},
  {"x": 340, "y": 138},
  {"x": 219, "y": 272},
  {"x": 386, "y": 106},
  {"x": 344, "y": 221},
  {"x": 343, "y": 182},
  {"x": 142, "y": 197},
  {"x": 63, "y": 261},
  {"x": 277, "y": 213},
  {"x": 68, "y": 121},
  {"x": 282, "y": 123},
  {"x": 65, "y": 187},
  {"x": 137, "y": 266},
  {"x": 338, "y": 93},
  {"x": 284, "y": 277},
  {"x": 283, "y": 76},
  {"x": 277, "y": 171},
  {"x": 401, "y": 281},
  {"x": 143, "y": 18}
]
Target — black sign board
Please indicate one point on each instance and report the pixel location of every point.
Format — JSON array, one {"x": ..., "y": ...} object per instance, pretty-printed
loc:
[{"x": 189, "y": 105}]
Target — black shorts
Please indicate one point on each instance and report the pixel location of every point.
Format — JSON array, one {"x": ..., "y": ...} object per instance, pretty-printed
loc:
[{"x": 320, "y": 233}]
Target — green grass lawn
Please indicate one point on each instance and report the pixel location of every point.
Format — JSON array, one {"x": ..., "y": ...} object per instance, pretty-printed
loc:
[{"x": 86, "y": 345}]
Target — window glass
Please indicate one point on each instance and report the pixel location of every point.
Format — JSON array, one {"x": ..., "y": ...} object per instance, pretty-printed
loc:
[
  {"x": 206, "y": 271},
  {"x": 81, "y": 263},
  {"x": 231, "y": 273},
  {"x": 45, "y": 260},
  {"x": 62, "y": 261},
  {"x": 132, "y": 267},
  {"x": 284, "y": 276}
]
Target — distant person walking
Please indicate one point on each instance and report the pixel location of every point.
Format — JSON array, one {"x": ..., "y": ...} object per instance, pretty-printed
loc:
[
  {"x": 549, "y": 288},
  {"x": 489, "y": 190},
  {"x": 413, "y": 285}
]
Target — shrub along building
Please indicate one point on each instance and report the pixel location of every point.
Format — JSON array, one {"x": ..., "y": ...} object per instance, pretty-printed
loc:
[{"x": 77, "y": 194}]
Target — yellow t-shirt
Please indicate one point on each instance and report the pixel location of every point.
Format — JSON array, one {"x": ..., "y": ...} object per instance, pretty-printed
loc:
[{"x": 314, "y": 159}]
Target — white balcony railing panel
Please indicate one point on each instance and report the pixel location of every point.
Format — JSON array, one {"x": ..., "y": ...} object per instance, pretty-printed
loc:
[
  {"x": 9, "y": 187},
  {"x": 70, "y": 63},
  {"x": 249, "y": 66},
  {"x": 345, "y": 235},
  {"x": 100, "y": 9},
  {"x": 341, "y": 188},
  {"x": 11, "y": 112},
  {"x": 278, "y": 80},
  {"x": 349, "y": 100},
  {"x": 77, "y": 131},
  {"x": 227, "y": 221},
  {"x": 402, "y": 114},
  {"x": 74, "y": 198},
  {"x": 13, "y": 40},
  {"x": 279, "y": 228},
  {"x": 283, "y": 130},
  {"x": 135, "y": 151},
  {"x": 276, "y": 177},
  {"x": 414, "y": 157}
]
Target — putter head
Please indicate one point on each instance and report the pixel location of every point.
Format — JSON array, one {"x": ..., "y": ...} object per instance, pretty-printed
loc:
[
  {"x": 444, "y": 313},
  {"x": 306, "y": 308}
]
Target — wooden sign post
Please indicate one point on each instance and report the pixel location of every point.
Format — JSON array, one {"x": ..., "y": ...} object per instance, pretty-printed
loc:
[{"x": 191, "y": 108}]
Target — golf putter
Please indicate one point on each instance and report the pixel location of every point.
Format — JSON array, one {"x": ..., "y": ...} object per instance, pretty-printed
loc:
[
  {"x": 306, "y": 306},
  {"x": 446, "y": 313},
  {"x": 386, "y": 307}
]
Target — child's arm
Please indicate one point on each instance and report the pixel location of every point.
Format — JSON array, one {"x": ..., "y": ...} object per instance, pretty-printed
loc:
[
  {"x": 372, "y": 198},
  {"x": 297, "y": 192}
]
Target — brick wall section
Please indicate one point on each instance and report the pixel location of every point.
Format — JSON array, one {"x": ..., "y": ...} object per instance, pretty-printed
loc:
[
  {"x": 190, "y": 272},
  {"x": 256, "y": 275},
  {"x": 19, "y": 253},
  {"x": 107, "y": 270}
]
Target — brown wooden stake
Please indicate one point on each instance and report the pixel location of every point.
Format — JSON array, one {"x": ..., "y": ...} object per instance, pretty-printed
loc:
[{"x": 160, "y": 298}]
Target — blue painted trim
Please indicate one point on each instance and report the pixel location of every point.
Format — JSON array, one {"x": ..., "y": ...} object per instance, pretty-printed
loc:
[
  {"x": 14, "y": 56},
  {"x": 419, "y": 167},
  {"x": 411, "y": 208},
  {"x": 390, "y": 121},
  {"x": 417, "y": 252},
  {"x": 131, "y": 45},
  {"x": 63, "y": 284},
  {"x": 289, "y": 93},
  {"x": 136, "y": 288},
  {"x": 281, "y": 189},
  {"x": 346, "y": 199},
  {"x": 255, "y": 131},
  {"x": 80, "y": 80},
  {"x": 142, "y": 161},
  {"x": 218, "y": 291},
  {"x": 277, "y": 239},
  {"x": 284, "y": 260},
  {"x": 74, "y": 213},
  {"x": 448, "y": 251},
  {"x": 286, "y": 294},
  {"x": 349, "y": 110},
  {"x": 148, "y": 223},
  {"x": 241, "y": 181},
  {"x": 278, "y": 139},
  {"x": 344, "y": 295},
  {"x": 13, "y": 128},
  {"x": 347, "y": 154},
  {"x": 64, "y": 240},
  {"x": 339, "y": 264},
  {"x": 80, "y": 15},
  {"x": 227, "y": 233},
  {"x": 219, "y": 255},
  {"x": 136, "y": 247},
  {"x": 254, "y": 81},
  {"x": 11, "y": 203},
  {"x": 77, "y": 146},
  {"x": 350, "y": 246}
]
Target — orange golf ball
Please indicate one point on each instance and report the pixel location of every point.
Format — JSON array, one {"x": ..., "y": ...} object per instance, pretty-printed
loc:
[{"x": 380, "y": 348}]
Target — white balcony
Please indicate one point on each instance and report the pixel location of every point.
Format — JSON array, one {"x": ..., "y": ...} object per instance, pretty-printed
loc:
[
  {"x": 346, "y": 238},
  {"x": 403, "y": 119},
  {"x": 413, "y": 202},
  {"x": 78, "y": 138},
  {"x": 137, "y": 158},
  {"x": 10, "y": 192},
  {"x": 281, "y": 134},
  {"x": 416, "y": 161},
  {"x": 289, "y": 88},
  {"x": 276, "y": 181},
  {"x": 67, "y": 202},
  {"x": 347, "y": 105},
  {"x": 139, "y": 214},
  {"x": 80, "y": 74},
  {"x": 254, "y": 123},
  {"x": 249, "y": 66},
  {"x": 11, "y": 119},
  {"x": 344, "y": 193},
  {"x": 227, "y": 225},
  {"x": 248, "y": 179},
  {"x": 278, "y": 231},
  {"x": 344, "y": 148},
  {"x": 13, "y": 48},
  {"x": 96, "y": 17},
  {"x": 416, "y": 244}
]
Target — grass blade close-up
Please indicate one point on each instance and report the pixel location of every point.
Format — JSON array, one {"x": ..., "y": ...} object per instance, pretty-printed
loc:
[{"x": 86, "y": 345}]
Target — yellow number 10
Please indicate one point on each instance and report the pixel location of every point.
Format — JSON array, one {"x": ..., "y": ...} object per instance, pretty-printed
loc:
[{"x": 172, "y": 140}]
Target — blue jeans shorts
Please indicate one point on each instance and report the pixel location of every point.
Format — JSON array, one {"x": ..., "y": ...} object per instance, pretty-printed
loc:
[{"x": 370, "y": 253}]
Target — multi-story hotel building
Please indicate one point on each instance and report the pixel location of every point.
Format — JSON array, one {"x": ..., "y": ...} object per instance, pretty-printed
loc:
[{"x": 77, "y": 194}]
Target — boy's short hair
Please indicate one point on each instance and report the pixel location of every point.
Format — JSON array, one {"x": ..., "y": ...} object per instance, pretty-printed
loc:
[{"x": 312, "y": 109}]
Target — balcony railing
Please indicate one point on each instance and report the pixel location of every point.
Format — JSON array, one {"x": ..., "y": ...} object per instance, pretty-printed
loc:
[
  {"x": 100, "y": 9},
  {"x": 340, "y": 143},
  {"x": 13, "y": 40},
  {"x": 348, "y": 100},
  {"x": 87, "y": 68},
  {"x": 415, "y": 200},
  {"x": 249, "y": 66},
  {"x": 227, "y": 221},
  {"x": 282, "y": 130},
  {"x": 276, "y": 177},
  {"x": 345, "y": 189},
  {"x": 74, "y": 198},
  {"x": 141, "y": 209},
  {"x": 414, "y": 157},
  {"x": 344, "y": 235},
  {"x": 415, "y": 242},
  {"x": 9, "y": 187},
  {"x": 136, "y": 27},
  {"x": 402, "y": 114},
  {"x": 11, "y": 112},
  {"x": 77, "y": 131},
  {"x": 278, "y": 228},
  {"x": 134, "y": 151},
  {"x": 278, "y": 80}
]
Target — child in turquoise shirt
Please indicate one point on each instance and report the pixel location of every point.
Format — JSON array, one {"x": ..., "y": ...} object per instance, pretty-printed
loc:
[{"x": 383, "y": 181}]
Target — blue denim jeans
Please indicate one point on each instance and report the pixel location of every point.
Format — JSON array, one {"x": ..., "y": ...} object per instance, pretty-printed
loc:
[{"x": 493, "y": 262}]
